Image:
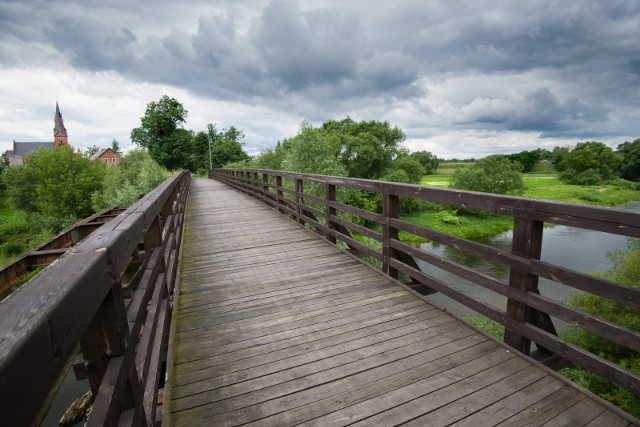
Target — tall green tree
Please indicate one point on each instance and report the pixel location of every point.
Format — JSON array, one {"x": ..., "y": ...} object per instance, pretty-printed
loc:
[
  {"x": 590, "y": 163},
  {"x": 429, "y": 161},
  {"x": 309, "y": 152},
  {"x": 365, "y": 149},
  {"x": 115, "y": 146},
  {"x": 54, "y": 182},
  {"x": 630, "y": 153},
  {"x": 161, "y": 133},
  {"x": 493, "y": 174}
]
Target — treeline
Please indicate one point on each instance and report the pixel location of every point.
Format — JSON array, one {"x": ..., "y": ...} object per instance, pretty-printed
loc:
[
  {"x": 173, "y": 147},
  {"x": 56, "y": 187}
]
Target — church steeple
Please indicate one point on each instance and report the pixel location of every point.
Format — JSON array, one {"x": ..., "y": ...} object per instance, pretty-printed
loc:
[{"x": 59, "y": 131}]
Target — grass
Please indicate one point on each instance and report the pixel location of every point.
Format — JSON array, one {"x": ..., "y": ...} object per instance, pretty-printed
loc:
[
  {"x": 549, "y": 187},
  {"x": 540, "y": 184},
  {"x": 16, "y": 233}
]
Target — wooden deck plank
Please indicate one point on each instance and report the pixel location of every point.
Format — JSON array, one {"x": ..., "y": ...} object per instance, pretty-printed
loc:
[{"x": 275, "y": 326}]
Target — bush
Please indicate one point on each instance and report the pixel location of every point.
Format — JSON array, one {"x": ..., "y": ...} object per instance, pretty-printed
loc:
[
  {"x": 626, "y": 270},
  {"x": 135, "y": 175},
  {"x": 590, "y": 163},
  {"x": 493, "y": 174}
]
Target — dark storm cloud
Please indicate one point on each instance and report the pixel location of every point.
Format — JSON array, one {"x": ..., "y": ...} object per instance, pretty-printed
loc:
[{"x": 317, "y": 58}]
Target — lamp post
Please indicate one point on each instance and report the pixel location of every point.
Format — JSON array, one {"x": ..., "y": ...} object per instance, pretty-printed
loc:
[{"x": 209, "y": 139}]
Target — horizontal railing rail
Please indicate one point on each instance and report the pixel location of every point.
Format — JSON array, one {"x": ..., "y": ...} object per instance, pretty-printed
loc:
[
  {"x": 108, "y": 296},
  {"x": 527, "y": 315},
  {"x": 45, "y": 253}
]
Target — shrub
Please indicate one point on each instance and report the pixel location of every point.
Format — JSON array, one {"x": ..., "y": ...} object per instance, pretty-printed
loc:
[{"x": 493, "y": 174}]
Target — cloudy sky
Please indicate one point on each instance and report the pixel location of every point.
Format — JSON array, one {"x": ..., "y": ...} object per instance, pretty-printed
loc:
[{"x": 462, "y": 79}]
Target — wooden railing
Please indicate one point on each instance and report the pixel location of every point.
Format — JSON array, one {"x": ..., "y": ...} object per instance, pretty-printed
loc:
[
  {"x": 109, "y": 297},
  {"x": 47, "y": 252},
  {"x": 527, "y": 314}
]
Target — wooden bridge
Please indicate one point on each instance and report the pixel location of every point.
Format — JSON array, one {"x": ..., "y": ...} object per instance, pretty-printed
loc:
[{"x": 270, "y": 323}]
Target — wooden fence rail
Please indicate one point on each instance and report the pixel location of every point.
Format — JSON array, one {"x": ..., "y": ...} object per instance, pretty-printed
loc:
[
  {"x": 110, "y": 297},
  {"x": 527, "y": 315},
  {"x": 49, "y": 251}
]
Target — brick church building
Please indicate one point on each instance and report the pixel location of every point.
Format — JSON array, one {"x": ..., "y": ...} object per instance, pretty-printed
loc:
[{"x": 21, "y": 149}]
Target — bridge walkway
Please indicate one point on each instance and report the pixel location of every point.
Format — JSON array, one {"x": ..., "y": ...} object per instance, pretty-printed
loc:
[{"x": 276, "y": 326}]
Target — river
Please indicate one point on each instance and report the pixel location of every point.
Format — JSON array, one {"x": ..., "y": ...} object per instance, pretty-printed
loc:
[{"x": 579, "y": 249}]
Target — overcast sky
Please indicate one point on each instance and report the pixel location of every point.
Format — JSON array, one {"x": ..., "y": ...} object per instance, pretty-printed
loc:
[{"x": 462, "y": 79}]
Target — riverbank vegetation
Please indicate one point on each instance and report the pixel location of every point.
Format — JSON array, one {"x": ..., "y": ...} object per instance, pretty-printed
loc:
[{"x": 55, "y": 188}]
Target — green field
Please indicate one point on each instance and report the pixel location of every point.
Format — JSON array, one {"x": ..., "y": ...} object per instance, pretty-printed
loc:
[
  {"x": 548, "y": 186},
  {"x": 539, "y": 186}
]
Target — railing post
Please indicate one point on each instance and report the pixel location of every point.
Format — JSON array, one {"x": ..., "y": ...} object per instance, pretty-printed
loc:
[
  {"x": 279, "y": 190},
  {"x": 330, "y": 196},
  {"x": 265, "y": 187},
  {"x": 527, "y": 243},
  {"x": 255, "y": 185},
  {"x": 299, "y": 200},
  {"x": 390, "y": 208}
]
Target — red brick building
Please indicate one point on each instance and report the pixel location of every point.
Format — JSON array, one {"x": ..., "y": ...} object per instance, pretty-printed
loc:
[{"x": 106, "y": 156}]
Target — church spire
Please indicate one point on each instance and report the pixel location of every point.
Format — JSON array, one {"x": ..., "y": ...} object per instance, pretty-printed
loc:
[{"x": 59, "y": 131}]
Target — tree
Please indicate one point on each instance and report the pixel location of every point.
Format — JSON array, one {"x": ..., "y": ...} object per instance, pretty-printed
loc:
[
  {"x": 405, "y": 169},
  {"x": 590, "y": 163},
  {"x": 92, "y": 150},
  {"x": 161, "y": 133},
  {"x": 493, "y": 174},
  {"x": 115, "y": 146},
  {"x": 630, "y": 153},
  {"x": 135, "y": 175},
  {"x": 226, "y": 146},
  {"x": 54, "y": 182},
  {"x": 365, "y": 149},
  {"x": 429, "y": 161},
  {"x": 527, "y": 159},
  {"x": 271, "y": 159},
  {"x": 557, "y": 156},
  {"x": 310, "y": 153}
]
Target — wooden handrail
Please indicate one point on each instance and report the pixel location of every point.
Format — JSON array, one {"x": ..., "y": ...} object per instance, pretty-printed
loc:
[
  {"x": 527, "y": 314},
  {"x": 79, "y": 301}
]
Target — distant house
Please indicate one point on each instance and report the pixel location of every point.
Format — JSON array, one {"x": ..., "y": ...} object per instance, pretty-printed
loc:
[
  {"x": 21, "y": 149},
  {"x": 106, "y": 156}
]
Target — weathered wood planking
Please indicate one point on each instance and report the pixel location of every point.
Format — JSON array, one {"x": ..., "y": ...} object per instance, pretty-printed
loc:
[{"x": 275, "y": 326}]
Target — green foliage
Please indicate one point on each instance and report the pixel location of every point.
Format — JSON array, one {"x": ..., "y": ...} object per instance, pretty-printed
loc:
[
  {"x": 590, "y": 163},
  {"x": 271, "y": 159},
  {"x": 226, "y": 147},
  {"x": 115, "y": 146},
  {"x": 528, "y": 159},
  {"x": 19, "y": 231},
  {"x": 491, "y": 327},
  {"x": 136, "y": 174},
  {"x": 54, "y": 182},
  {"x": 429, "y": 161},
  {"x": 20, "y": 187},
  {"x": 557, "y": 156},
  {"x": 160, "y": 132},
  {"x": 365, "y": 149},
  {"x": 405, "y": 169},
  {"x": 625, "y": 270},
  {"x": 493, "y": 174},
  {"x": 630, "y": 153},
  {"x": 310, "y": 153}
]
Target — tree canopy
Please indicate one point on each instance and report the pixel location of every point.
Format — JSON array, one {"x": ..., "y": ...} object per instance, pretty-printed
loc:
[
  {"x": 630, "y": 153},
  {"x": 161, "y": 133},
  {"x": 493, "y": 174},
  {"x": 54, "y": 182},
  {"x": 590, "y": 163},
  {"x": 428, "y": 161}
]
